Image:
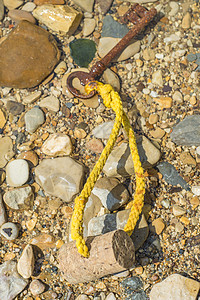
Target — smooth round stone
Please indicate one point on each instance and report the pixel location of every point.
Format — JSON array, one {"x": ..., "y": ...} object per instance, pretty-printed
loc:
[
  {"x": 36, "y": 287},
  {"x": 21, "y": 15},
  {"x": 29, "y": 6},
  {"x": 9, "y": 230},
  {"x": 17, "y": 172},
  {"x": 88, "y": 26},
  {"x": 33, "y": 119}
]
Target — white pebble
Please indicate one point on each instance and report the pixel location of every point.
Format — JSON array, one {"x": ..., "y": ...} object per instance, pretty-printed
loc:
[
  {"x": 36, "y": 287},
  {"x": 9, "y": 230},
  {"x": 196, "y": 190},
  {"x": 17, "y": 172}
]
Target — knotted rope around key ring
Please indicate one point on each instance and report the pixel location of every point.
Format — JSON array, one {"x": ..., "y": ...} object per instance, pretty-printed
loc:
[{"x": 111, "y": 99}]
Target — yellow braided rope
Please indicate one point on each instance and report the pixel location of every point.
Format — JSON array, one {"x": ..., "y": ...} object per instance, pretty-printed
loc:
[{"x": 111, "y": 99}]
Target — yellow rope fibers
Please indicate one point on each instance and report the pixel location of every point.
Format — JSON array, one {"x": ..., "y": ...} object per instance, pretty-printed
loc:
[{"x": 111, "y": 99}]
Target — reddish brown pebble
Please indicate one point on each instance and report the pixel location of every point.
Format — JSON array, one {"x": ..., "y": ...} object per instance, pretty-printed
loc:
[
  {"x": 95, "y": 145},
  {"x": 31, "y": 156},
  {"x": 21, "y": 15}
]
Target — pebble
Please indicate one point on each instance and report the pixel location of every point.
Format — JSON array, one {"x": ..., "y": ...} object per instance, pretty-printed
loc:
[
  {"x": 1, "y": 10},
  {"x": 103, "y": 131},
  {"x": 148, "y": 54},
  {"x": 12, "y": 4},
  {"x": 30, "y": 224},
  {"x": 186, "y": 21},
  {"x": 95, "y": 145},
  {"x": 15, "y": 108},
  {"x": 187, "y": 159},
  {"x": 134, "y": 283},
  {"x": 26, "y": 263},
  {"x": 65, "y": 19},
  {"x": 107, "y": 43},
  {"x": 172, "y": 38},
  {"x": 171, "y": 176},
  {"x": 120, "y": 163},
  {"x": 86, "y": 5},
  {"x": 179, "y": 227},
  {"x": 185, "y": 220},
  {"x": 187, "y": 132},
  {"x": 6, "y": 150},
  {"x": 30, "y": 156},
  {"x": 9, "y": 231},
  {"x": 178, "y": 97},
  {"x": 157, "y": 226},
  {"x": 11, "y": 283},
  {"x": 19, "y": 198},
  {"x": 112, "y": 28},
  {"x": 111, "y": 193},
  {"x": 29, "y": 6},
  {"x": 3, "y": 216},
  {"x": 17, "y": 172},
  {"x": 176, "y": 287},
  {"x": 157, "y": 78},
  {"x": 82, "y": 297},
  {"x": 92, "y": 208},
  {"x": 36, "y": 287},
  {"x": 3, "y": 118},
  {"x": 164, "y": 102},
  {"x": 20, "y": 15},
  {"x": 61, "y": 177},
  {"x": 32, "y": 97},
  {"x": 196, "y": 190},
  {"x": 33, "y": 119},
  {"x": 61, "y": 68},
  {"x": 57, "y": 145},
  {"x": 56, "y": 2},
  {"x": 51, "y": 103},
  {"x": 178, "y": 210},
  {"x": 105, "y": 5},
  {"x": 158, "y": 133},
  {"x": 191, "y": 57},
  {"x": 110, "y": 296},
  {"x": 174, "y": 8},
  {"x": 88, "y": 26},
  {"x": 40, "y": 46},
  {"x": 111, "y": 78},
  {"x": 79, "y": 133},
  {"x": 109, "y": 222},
  {"x": 153, "y": 119},
  {"x": 43, "y": 241}
]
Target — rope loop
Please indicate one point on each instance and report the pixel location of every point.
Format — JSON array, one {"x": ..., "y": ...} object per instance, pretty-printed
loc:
[{"x": 111, "y": 99}]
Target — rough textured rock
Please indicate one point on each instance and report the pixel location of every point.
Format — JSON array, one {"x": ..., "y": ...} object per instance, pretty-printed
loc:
[
  {"x": 19, "y": 198},
  {"x": 26, "y": 263},
  {"x": 61, "y": 177},
  {"x": 110, "y": 222},
  {"x": 111, "y": 192},
  {"x": 59, "y": 18},
  {"x": 120, "y": 162},
  {"x": 17, "y": 172},
  {"x": 11, "y": 283},
  {"x": 187, "y": 132},
  {"x": 28, "y": 55},
  {"x": 176, "y": 287},
  {"x": 57, "y": 145},
  {"x": 6, "y": 150}
]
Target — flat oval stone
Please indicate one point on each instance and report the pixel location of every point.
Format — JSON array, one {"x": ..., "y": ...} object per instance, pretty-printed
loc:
[
  {"x": 14, "y": 107},
  {"x": 20, "y": 15},
  {"x": 33, "y": 119},
  {"x": 26, "y": 263},
  {"x": 9, "y": 230},
  {"x": 28, "y": 55},
  {"x": 17, "y": 172}
]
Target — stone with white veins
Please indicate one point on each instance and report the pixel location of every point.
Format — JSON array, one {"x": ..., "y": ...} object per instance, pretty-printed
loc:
[
  {"x": 175, "y": 287},
  {"x": 19, "y": 198},
  {"x": 3, "y": 217},
  {"x": 33, "y": 119},
  {"x": 120, "y": 163},
  {"x": 26, "y": 263},
  {"x": 11, "y": 283},
  {"x": 57, "y": 145},
  {"x": 9, "y": 231},
  {"x": 61, "y": 177},
  {"x": 51, "y": 103},
  {"x": 111, "y": 192},
  {"x": 17, "y": 172}
]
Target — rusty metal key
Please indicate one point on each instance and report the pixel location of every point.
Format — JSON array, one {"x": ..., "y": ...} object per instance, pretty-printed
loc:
[{"x": 140, "y": 17}]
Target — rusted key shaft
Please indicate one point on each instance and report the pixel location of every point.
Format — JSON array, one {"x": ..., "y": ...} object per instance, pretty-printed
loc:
[{"x": 137, "y": 15}]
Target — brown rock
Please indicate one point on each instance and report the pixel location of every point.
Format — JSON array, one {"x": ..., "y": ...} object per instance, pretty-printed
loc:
[
  {"x": 105, "y": 5},
  {"x": 43, "y": 241},
  {"x": 21, "y": 15},
  {"x": 41, "y": 2},
  {"x": 28, "y": 56},
  {"x": 31, "y": 156},
  {"x": 95, "y": 145},
  {"x": 157, "y": 226}
]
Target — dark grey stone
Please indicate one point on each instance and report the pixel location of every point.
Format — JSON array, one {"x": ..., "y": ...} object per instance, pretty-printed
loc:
[
  {"x": 14, "y": 107},
  {"x": 187, "y": 132},
  {"x": 132, "y": 283},
  {"x": 171, "y": 176},
  {"x": 112, "y": 28},
  {"x": 137, "y": 296}
]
